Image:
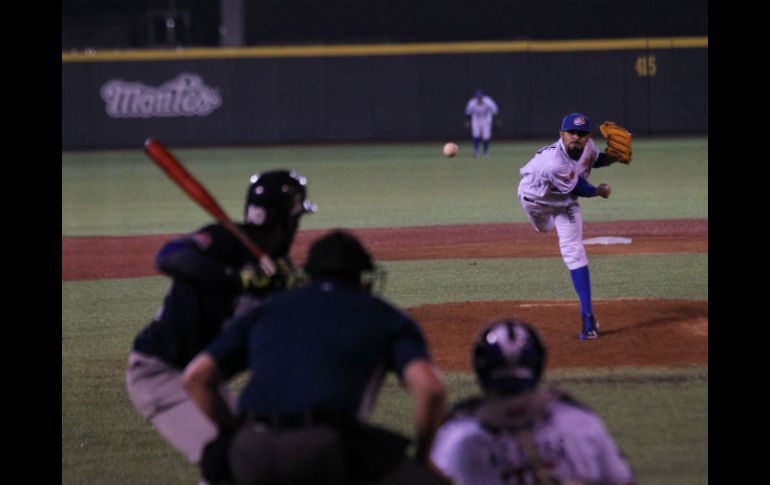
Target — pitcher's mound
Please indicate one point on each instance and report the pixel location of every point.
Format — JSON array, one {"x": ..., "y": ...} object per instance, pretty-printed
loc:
[{"x": 632, "y": 331}]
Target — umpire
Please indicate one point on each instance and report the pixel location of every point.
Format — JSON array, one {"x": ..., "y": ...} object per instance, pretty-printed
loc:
[{"x": 317, "y": 356}]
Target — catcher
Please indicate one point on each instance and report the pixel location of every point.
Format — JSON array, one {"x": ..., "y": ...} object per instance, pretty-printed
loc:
[
  {"x": 549, "y": 189},
  {"x": 520, "y": 431}
]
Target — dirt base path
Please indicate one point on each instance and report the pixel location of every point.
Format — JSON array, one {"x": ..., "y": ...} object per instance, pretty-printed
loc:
[
  {"x": 132, "y": 256},
  {"x": 633, "y": 331}
]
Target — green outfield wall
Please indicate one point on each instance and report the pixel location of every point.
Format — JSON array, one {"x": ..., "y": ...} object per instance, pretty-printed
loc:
[{"x": 396, "y": 92}]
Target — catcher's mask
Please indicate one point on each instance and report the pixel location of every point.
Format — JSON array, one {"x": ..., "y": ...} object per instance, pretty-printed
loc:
[
  {"x": 275, "y": 198},
  {"x": 340, "y": 255},
  {"x": 508, "y": 357},
  {"x": 576, "y": 122}
]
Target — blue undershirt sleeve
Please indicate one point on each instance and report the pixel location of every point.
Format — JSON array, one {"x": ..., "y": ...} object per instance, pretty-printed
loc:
[
  {"x": 181, "y": 259},
  {"x": 584, "y": 188},
  {"x": 603, "y": 160}
]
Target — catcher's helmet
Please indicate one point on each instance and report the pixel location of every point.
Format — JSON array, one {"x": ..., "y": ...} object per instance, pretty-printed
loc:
[
  {"x": 276, "y": 197},
  {"x": 508, "y": 357}
]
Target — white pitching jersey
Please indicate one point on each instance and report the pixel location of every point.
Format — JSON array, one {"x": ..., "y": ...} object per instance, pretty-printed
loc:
[
  {"x": 572, "y": 443},
  {"x": 481, "y": 112},
  {"x": 551, "y": 174}
]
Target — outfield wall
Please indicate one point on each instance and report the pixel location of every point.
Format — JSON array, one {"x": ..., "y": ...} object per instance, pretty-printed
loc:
[{"x": 409, "y": 92}]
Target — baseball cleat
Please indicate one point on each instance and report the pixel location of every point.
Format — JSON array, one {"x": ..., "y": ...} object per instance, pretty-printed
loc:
[{"x": 590, "y": 329}]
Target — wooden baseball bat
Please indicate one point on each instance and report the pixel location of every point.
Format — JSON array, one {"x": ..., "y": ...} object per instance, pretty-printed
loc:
[{"x": 164, "y": 159}]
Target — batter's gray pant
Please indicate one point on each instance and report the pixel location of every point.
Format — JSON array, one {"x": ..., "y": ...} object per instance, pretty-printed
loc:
[{"x": 155, "y": 389}]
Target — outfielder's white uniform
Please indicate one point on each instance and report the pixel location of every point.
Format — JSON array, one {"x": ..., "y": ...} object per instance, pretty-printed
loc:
[
  {"x": 544, "y": 193},
  {"x": 571, "y": 442},
  {"x": 481, "y": 114}
]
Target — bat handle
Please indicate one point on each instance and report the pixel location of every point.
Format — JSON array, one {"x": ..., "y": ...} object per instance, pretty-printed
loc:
[
  {"x": 174, "y": 169},
  {"x": 266, "y": 263}
]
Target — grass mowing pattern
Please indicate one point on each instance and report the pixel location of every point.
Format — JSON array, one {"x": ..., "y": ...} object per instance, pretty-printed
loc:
[
  {"x": 411, "y": 283},
  {"x": 123, "y": 193}
]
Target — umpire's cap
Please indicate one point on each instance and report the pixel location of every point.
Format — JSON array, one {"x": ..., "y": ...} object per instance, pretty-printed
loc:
[
  {"x": 508, "y": 357},
  {"x": 338, "y": 254},
  {"x": 577, "y": 122}
]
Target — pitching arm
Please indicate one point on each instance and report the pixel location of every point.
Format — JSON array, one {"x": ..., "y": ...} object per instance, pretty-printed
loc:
[{"x": 585, "y": 189}]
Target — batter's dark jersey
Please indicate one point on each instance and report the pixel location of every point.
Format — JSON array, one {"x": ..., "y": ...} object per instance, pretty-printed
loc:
[
  {"x": 205, "y": 270},
  {"x": 323, "y": 346}
]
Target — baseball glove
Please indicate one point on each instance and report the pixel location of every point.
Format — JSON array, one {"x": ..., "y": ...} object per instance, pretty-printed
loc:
[{"x": 618, "y": 141}]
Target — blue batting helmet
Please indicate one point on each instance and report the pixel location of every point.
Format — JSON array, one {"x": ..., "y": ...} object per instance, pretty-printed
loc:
[{"x": 508, "y": 357}]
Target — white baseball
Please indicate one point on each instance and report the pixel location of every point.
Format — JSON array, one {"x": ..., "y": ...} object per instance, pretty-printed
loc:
[{"x": 450, "y": 149}]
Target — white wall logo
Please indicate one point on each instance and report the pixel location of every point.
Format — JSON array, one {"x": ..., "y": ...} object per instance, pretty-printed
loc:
[{"x": 186, "y": 95}]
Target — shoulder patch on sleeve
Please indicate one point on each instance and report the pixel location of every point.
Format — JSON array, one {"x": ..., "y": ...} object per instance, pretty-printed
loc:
[{"x": 202, "y": 239}]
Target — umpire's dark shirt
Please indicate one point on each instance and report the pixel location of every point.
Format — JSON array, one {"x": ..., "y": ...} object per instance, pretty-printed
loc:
[
  {"x": 205, "y": 269},
  {"x": 323, "y": 346}
]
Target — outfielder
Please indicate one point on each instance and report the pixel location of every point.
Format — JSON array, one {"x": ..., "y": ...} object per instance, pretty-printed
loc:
[
  {"x": 516, "y": 433},
  {"x": 480, "y": 110},
  {"x": 214, "y": 277},
  {"x": 551, "y": 183}
]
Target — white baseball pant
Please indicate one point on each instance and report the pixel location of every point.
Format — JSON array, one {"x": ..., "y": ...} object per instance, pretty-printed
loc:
[
  {"x": 568, "y": 221},
  {"x": 481, "y": 128}
]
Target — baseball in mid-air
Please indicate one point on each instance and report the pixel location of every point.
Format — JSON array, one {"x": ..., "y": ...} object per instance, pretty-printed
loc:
[{"x": 450, "y": 149}]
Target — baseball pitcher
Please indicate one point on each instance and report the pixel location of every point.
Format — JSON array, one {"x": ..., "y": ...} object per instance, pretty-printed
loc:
[{"x": 549, "y": 189}]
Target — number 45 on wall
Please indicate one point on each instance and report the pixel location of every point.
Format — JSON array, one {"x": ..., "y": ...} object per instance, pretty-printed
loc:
[{"x": 645, "y": 66}]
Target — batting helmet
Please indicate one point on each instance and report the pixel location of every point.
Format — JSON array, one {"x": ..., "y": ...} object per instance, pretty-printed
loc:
[
  {"x": 508, "y": 357},
  {"x": 276, "y": 197}
]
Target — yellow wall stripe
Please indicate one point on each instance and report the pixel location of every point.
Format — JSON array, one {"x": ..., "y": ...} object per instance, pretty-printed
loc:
[{"x": 349, "y": 50}]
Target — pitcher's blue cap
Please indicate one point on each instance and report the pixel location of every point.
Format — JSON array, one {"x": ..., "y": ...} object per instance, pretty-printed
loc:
[
  {"x": 576, "y": 121},
  {"x": 479, "y": 92}
]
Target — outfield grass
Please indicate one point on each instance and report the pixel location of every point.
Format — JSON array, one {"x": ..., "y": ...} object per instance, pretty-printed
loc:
[
  {"x": 659, "y": 416},
  {"x": 122, "y": 192}
]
